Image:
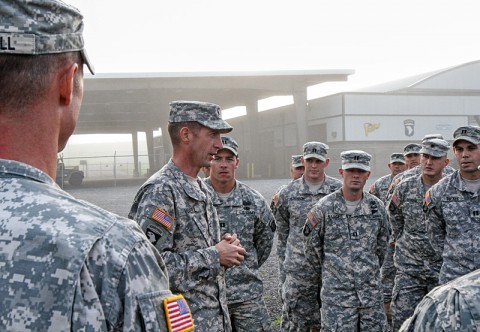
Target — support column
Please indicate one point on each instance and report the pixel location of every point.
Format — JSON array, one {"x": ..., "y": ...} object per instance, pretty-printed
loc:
[
  {"x": 152, "y": 167},
  {"x": 251, "y": 138},
  {"x": 136, "y": 171}
]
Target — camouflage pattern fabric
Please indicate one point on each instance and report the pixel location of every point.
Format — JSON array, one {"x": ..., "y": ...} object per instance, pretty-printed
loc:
[
  {"x": 453, "y": 226},
  {"x": 70, "y": 266},
  {"x": 416, "y": 262},
  {"x": 452, "y": 307},
  {"x": 379, "y": 189},
  {"x": 348, "y": 251},
  {"x": 294, "y": 202},
  {"x": 246, "y": 213},
  {"x": 207, "y": 114},
  {"x": 369, "y": 319},
  {"x": 180, "y": 220}
]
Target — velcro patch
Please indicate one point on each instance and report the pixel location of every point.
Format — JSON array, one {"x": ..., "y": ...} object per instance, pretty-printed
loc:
[
  {"x": 395, "y": 200},
  {"x": 163, "y": 218},
  {"x": 179, "y": 317},
  {"x": 275, "y": 199},
  {"x": 428, "y": 198},
  {"x": 312, "y": 219}
]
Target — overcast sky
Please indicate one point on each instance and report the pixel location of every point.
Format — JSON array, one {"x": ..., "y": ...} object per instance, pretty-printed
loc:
[{"x": 381, "y": 40}]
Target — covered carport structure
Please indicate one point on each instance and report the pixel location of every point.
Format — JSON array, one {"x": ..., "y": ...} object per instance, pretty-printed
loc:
[{"x": 139, "y": 102}]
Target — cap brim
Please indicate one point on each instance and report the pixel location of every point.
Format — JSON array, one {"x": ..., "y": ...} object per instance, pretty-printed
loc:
[
  {"x": 433, "y": 153},
  {"x": 316, "y": 156},
  {"x": 356, "y": 166},
  {"x": 411, "y": 152},
  {"x": 297, "y": 165},
  {"x": 229, "y": 149},
  {"x": 222, "y": 126},
  {"x": 397, "y": 161},
  {"x": 466, "y": 138},
  {"x": 87, "y": 61}
]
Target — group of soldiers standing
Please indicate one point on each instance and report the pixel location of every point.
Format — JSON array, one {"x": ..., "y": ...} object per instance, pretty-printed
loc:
[
  {"x": 188, "y": 257},
  {"x": 347, "y": 251}
]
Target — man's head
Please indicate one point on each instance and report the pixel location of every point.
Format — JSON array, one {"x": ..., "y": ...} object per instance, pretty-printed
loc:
[
  {"x": 195, "y": 127},
  {"x": 315, "y": 161},
  {"x": 41, "y": 65},
  {"x": 296, "y": 168},
  {"x": 355, "y": 169},
  {"x": 411, "y": 152},
  {"x": 397, "y": 163},
  {"x": 224, "y": 163},
  {"x": 434, "y": 156},
  {"x": 466, "y": 140}
]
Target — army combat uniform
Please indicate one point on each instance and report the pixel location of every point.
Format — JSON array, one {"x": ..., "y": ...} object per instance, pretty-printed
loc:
[
  {"x": 67, "y": 265},
  {"x": 247, "y": 214},
  {"x": 450, "y": 307},
  {"x": 348, "y": 251},
  {"x": 301, "y": 305},
  {"x": 177, "y": 215},
  {"x": 416, "y": 262},
  {"x": 453, "y": 226}
]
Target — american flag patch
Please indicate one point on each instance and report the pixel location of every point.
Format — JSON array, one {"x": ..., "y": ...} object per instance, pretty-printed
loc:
[
  {"x": 395, "y": 200},
  {"x": 428, "y": 199},
  {"x": 163, "y": 218},
  {"x": 275, "y": 199},
  {"x": 179, "y": 317},
  {"x": 312, "y": 219}
]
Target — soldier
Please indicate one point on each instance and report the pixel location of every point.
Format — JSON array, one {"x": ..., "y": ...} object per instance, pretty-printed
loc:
[
  {"x": 296, "y": 171},
  {"x": 346, "y": 236},
  {"x": 66, "y": 265},
  {"x": 453, "y": 209},
  {"x": 300, "y": 313},
  {"x": 301, "y": 307},
  {"x": 449, "y": 307},
  {"x": 396, "y": 165},
  {"x": 242, "y": 211},
  {"x": 416, "y": 262},
  {"x": 380, "y": 188},
  {"x": 174, "y": 207}
]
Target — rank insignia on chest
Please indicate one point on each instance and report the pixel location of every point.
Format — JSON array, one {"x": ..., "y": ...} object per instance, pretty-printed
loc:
[
  {"x": 163, "y": 218},
  {"x": 354, "y": 235},
  {"x": 179, "y": 317}
]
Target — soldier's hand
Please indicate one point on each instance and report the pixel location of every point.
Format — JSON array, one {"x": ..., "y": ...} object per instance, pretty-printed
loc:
[
  {"x": 230, "y": 254},
  {"x": 232, "y": 239}
]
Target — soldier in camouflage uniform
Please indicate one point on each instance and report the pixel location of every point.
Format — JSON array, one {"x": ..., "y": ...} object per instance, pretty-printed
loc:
[
  {"x": 416, "y": 262},
  {"x": 379, "y": 189},
  {"x": 66, "y": 265},
  {"x": 242, "y": 211},
  {"x": 301, "y": 307},
  {"x": 450, "y": 307},
  {"x": 346, "y": 235},
  {"x": 175, "y": 209},
  {"x": 296, "y": 171},
  {"x": 453, "y": 209}
]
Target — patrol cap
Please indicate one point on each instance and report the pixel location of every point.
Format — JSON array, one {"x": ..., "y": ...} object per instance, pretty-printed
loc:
[
  {"x": 356, "y": 159},
  {"x": 397, "y": 158},
  {"x": 207, "y": 114},
  {"x": 411, "y": 148},
  {"x": 467, "y": 133},
  {"x": 435, "y": 147},
  {"x": 315, "y": 150},
  {"x": 430, "y": 136},
  {"x": 297, "y": 160},
  {"x": 230, "y": 144},
  {"x": 34, "y": 27}
]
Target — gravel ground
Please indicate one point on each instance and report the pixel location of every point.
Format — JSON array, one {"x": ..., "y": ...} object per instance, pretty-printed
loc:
[{"x": 118, "y": 199}]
